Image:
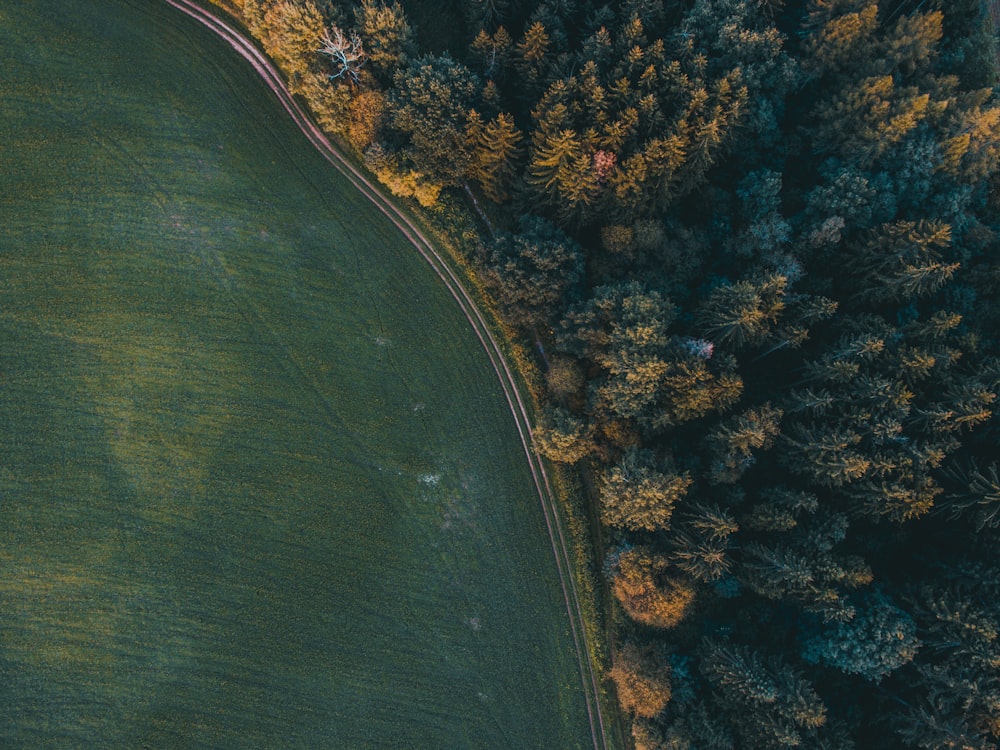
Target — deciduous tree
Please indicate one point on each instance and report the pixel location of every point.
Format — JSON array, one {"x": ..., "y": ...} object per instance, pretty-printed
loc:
[
  {"x": 430, "y": 103},
  {"x": 563, "y": 437},
  {"x": 642, "y": 681},
  {"x": 646, "y": 593},
  {"x": 636, "y": 494},
  {"x": 532, "y": 272}
]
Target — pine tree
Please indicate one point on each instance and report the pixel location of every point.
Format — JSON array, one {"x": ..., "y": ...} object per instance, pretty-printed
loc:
[
  {"x": 495, "y": 151},
  {"x": 867, "y": 118},
  {"x": 579, "y": 186},
  {"x": 978, "y": 497},
  {"x": 486, "y": 14},
  {"x": 733, "y": 442},
  {"x": 965, "y": 405},
  {"x": 954, "y": 695},
  {"x": 691, "y": 389},
  {"x": 552, "y": 165},
  {"x": 711, "y": 119},
  {"x": 740, "y": 674},
  {"x": 773, "y": 705},
  {"x": 742, "y": 314},
  {"x": 492, "y": 53},
  {"x": 827, "y": 456},
  {"x": 799, "y": 561},
  {"x": 907, "y": 492},
  {"x": 911, "y": 44},
  {"x": 700, "y": 545},
  {"x": 648, "y": 178},
  {"x": 970, "y": 145},
  {"x": 780, "y": 509},
  {"x": 531, "y": 57},
  {"x": 840, "y": 42}
]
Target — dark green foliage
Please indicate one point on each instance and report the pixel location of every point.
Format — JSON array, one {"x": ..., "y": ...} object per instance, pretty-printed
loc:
[
  {"x": 978, "y": 496},
  {"x": 801, "y": 561},
  {"x": 700, "y": 544},
  {"x": 952, "y": 699},
  {"x": 742, "y": 314},
  {"x": 430, "y": 103},
  {"x": 533, "y": 272},
  {"x": 878, "y": 640},
  {"x": 772, "y": 705},
  {"x": 733, "y": 442}
]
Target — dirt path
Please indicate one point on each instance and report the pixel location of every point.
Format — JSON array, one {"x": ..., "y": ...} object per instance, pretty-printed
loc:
[{"x": 557, "y": 535}]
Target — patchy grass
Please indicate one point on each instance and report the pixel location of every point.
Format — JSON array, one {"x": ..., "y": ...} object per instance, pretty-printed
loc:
[{"x": 258, "y": 483}]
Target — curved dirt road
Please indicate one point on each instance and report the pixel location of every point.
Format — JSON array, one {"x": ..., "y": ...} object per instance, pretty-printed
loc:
[{"x": 560, "y": 547}]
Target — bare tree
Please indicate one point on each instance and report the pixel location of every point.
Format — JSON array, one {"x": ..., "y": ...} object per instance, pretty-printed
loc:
[{"x": 347, "y": 53}]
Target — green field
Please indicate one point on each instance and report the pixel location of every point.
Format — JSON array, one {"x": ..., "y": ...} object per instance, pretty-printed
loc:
[{"x": 259, "y": 486}]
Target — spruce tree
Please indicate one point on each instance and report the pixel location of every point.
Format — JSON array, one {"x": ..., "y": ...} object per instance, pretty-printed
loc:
[{"x": 496, "y": 147}]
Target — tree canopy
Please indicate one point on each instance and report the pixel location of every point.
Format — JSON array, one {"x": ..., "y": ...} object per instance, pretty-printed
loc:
[{"x": 755, "y": 245}]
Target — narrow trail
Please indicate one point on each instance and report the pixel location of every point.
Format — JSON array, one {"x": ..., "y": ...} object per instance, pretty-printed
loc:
[{"x": 546, "y": 496}]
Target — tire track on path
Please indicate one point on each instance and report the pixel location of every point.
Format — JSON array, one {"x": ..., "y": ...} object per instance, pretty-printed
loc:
[{"x": 546, "y": 496}]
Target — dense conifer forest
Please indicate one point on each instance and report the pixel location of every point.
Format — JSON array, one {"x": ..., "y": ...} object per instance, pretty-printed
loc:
[{"x": 754, "y": 244}]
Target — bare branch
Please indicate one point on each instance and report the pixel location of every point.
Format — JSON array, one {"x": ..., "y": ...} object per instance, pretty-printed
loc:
[{"x": 347, "y": 53}]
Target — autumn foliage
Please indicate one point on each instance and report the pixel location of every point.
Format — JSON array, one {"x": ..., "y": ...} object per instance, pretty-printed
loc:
[{"x": 756, "y": 247}]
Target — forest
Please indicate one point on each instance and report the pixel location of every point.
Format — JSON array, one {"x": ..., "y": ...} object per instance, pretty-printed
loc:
[{"x": 754, "y": 246}]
